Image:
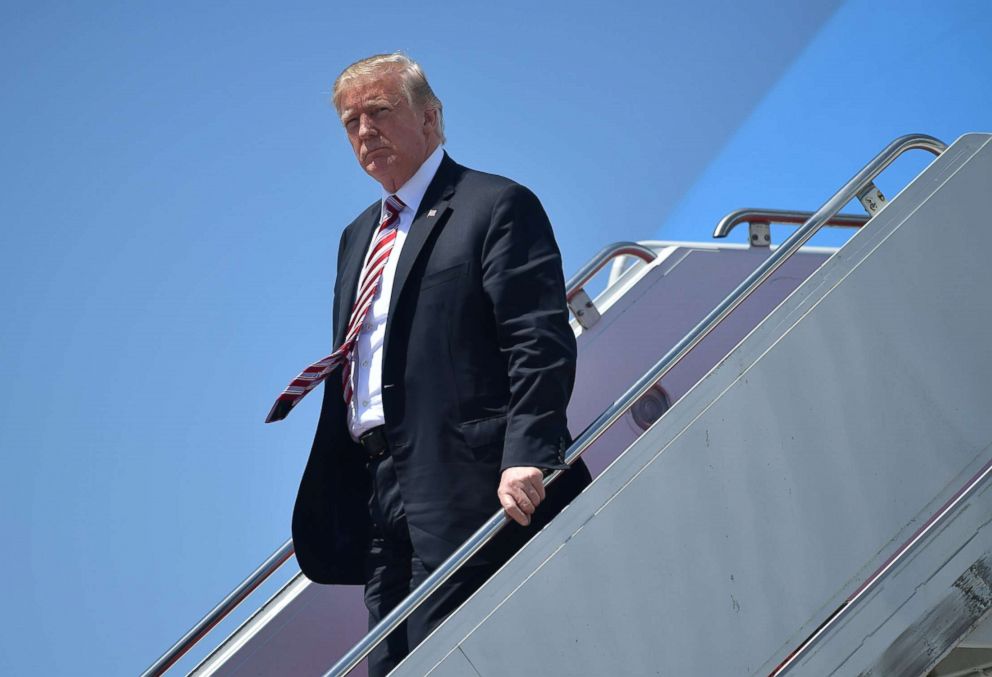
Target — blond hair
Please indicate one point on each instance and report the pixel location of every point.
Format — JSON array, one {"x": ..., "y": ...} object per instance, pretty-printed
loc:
[{"x": 415, "y": 86}]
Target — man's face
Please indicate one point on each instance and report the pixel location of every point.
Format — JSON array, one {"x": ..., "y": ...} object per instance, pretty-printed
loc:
[{"x": 390, "y": 137}]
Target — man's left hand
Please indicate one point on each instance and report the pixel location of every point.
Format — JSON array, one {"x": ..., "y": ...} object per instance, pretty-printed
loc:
[{"x": 520, "y": 491}]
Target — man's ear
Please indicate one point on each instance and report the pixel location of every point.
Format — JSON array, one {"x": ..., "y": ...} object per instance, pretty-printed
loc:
[{"x": 430, "y": 118}]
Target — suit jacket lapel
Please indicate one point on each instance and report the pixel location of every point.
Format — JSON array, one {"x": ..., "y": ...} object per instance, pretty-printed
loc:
[
  {"x": 358, "y": 247},
  {"x": 433, "y": 210}
]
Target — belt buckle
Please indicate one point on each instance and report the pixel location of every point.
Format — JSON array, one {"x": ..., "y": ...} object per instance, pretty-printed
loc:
[{"x": 374, "y": 443}]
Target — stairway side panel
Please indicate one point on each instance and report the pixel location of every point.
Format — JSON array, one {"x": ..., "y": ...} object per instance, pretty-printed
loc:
[{"x": 786, "y": 476}]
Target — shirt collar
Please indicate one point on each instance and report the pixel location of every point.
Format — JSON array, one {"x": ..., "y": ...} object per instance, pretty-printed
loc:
[{"x": 412, "y": 192}]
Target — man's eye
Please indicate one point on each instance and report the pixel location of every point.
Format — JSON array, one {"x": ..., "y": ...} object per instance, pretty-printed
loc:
[{"x": 351, "y": 123}]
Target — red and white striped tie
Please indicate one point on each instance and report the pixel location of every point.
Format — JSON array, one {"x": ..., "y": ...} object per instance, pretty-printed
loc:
[{"x": 369, "y": 281}]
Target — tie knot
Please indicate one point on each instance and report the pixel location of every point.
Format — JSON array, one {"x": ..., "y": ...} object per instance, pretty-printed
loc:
[{"x": 394, "y": 205}]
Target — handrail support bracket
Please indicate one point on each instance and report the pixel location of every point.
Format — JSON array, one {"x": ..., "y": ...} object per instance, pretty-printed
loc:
[
  {"x": 760, "y": 233},
  {"x": 871, "y": 198},
  {"x": 585, "y": 311}
]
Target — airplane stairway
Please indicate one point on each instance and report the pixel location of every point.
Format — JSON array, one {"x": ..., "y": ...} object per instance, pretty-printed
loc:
[
  {"x": 819, "y": 503},
  {"x": 733, "y": 497}
]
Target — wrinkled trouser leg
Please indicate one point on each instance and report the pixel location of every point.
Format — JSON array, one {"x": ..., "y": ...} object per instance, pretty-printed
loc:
[{"x": 393, "y": 570}]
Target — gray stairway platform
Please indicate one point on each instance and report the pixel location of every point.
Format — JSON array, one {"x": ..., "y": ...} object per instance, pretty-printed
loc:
[{"x": 771, "y": 492}]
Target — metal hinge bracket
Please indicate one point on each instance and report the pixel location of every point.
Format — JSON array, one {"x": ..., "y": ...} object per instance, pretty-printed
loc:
[
  {"x": 760, "y": 233},
  {"x": 871, "y": 199},
  {"x": 584, "y": 310}
]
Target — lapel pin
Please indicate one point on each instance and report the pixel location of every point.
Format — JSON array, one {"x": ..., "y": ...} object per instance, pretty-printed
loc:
[{"x": 432, "y": 212}]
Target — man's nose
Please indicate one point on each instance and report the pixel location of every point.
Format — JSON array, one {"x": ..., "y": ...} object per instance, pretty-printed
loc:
[{"x": 365, "y": 127}]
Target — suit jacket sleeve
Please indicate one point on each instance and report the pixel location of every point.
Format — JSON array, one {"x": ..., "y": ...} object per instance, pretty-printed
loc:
[{"x": 522, "y": 277}]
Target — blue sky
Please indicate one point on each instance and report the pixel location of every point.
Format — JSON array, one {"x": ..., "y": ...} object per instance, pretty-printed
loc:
[{"x": 174, "y": 183}]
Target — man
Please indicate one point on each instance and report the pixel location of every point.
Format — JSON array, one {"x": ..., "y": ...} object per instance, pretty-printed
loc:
[{"x": 454, "y": 363}]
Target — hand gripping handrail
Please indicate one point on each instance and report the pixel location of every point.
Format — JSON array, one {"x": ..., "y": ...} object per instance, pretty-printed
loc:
[
  {"x": 280, "y": 556},
  {"x": 485, "y": 533},
  {"x": 735, "y": 218}
]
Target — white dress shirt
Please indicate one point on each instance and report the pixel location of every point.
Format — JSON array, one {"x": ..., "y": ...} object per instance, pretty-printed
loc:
[{"x": 365, "y": 410}]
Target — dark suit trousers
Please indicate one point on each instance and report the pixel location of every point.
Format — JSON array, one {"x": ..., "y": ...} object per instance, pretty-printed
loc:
[{"x": 393, "y": 570}]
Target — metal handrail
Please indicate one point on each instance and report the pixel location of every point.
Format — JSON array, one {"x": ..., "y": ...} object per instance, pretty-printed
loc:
[
  {"x": 259, "y": 616},
  {"x": 219, "y": 612},
  {"x": 606, "y": 255},
  {"x": 495, "y": 523},
  {"x": 280, "y": 556},
  {"x": 735, "y": 218}
]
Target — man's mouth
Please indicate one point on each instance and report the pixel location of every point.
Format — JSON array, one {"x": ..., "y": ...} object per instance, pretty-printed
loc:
[{"x": 375, "y": 152}]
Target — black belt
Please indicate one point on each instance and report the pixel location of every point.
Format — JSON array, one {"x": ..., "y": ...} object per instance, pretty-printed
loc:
[{"x": 374, "y": 442}]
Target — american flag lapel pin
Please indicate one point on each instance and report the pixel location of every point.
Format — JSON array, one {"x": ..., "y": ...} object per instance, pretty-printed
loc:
[{"x": 431, "y": 213}]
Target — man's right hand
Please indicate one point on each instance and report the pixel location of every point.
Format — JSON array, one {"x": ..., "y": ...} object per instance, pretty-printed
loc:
[{"x": 521, "y": 490}]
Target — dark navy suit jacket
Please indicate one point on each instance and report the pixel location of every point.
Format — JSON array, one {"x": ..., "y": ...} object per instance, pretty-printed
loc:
[{"x": 478, "y": 367}]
